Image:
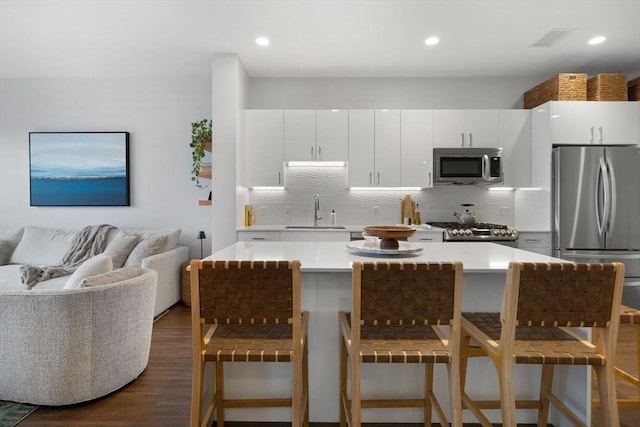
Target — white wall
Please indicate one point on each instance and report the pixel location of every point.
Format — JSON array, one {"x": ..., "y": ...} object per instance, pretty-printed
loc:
[
  {"x": 157, "y": 113},
  {"x": 300, "y": 93}
]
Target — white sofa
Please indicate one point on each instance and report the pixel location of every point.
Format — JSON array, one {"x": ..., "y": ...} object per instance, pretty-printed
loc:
[
  {"x": 61, "y": 347},
  {"x": 47, "y": 246}
]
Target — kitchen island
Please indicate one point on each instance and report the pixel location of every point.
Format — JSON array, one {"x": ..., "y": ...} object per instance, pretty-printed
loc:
[{"x": 326, "y": 289}]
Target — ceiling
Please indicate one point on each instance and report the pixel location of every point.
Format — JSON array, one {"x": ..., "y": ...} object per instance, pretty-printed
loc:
[{"x": 316, "y": 38}]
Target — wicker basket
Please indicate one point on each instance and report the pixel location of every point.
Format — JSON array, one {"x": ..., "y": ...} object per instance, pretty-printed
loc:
[
  {"x": 186, "y": 285},
  {"x": 634, "y": 89},
  {"x": 562, "y": 87},
  {"x": 607, "y": 87}
]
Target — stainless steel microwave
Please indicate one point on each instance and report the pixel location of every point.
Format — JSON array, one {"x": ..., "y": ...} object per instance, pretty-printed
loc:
[{"x": 479, "y": 166}]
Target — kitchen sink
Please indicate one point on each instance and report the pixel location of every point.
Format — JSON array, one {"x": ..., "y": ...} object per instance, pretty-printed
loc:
[{"x": 315, "y": 227}]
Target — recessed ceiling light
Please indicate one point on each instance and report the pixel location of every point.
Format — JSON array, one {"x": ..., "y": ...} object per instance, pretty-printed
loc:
[
  {"x": 597, "y": 40},
  {"x": 262, "y": 41},
  {"x": 430, "y": 41}
]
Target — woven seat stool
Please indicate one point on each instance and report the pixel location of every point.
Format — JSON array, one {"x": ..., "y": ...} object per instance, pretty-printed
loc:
[
  {"x": 242, "y": 312},
  {"x": 398, "y": 309},
  {"x": 629, "y": 318},
  {"x": 541, "y": 302}
]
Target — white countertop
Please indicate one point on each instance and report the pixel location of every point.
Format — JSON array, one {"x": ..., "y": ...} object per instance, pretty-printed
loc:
[
  {"x": 346, "y": 228},
  {"x": 477, "y": 257}
]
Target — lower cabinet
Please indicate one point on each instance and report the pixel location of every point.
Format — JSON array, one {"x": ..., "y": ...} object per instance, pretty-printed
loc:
[
  {"x": 315, "y": 236},
  {"x": 427, "y": 236},
  {"x": 247, "y": 236},
  {"x": 538, "y": 242}
]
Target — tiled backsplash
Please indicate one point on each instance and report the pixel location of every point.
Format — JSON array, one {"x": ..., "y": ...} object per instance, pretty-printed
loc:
[{"x": 294, "y": 204}]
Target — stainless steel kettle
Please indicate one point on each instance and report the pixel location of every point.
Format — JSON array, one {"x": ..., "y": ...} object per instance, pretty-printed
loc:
[{"x": 467, "y": 217}]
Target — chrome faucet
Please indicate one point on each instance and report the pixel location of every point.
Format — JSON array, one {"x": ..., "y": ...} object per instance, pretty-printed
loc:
[{"x": 316, "y": 210}]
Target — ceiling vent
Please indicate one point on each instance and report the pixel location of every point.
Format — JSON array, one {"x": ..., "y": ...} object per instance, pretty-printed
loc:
[{"x": 553, "y": 37}]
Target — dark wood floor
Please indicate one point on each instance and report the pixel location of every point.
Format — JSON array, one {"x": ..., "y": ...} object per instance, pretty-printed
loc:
[{"x": 161, "y": 395}]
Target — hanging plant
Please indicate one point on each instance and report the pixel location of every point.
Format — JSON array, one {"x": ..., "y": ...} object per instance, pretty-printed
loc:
[{"x": 200, "y": 138}]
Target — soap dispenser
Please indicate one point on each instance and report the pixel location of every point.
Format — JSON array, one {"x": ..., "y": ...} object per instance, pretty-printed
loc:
[{"x": 332, "y": 217}]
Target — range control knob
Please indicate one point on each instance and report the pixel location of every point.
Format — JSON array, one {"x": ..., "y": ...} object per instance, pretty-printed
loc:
[{"x": 454, "y": 232}]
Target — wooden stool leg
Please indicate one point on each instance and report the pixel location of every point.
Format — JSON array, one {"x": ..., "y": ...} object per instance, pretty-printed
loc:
[
  {"x": 305, "y": 382},
  {"x": 343, "y": 383},
  {"x": 507, "y": 395},
  {"x": 455, "y": 393},
  {"x": 546, "y": 382},
  {"x": 296, "y": 398},
  {"x": 607, "y": 391},
  {"x": 196, "y": 392},
  {"x": 355, "y": 392},
  {"x": 219, "y": 393},
  {"x": 638, "y": 356},
  {"x": 428, "y": 389}
]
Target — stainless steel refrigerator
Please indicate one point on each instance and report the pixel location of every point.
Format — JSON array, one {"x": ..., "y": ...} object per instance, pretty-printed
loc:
[{"x": 596, "y": 208}]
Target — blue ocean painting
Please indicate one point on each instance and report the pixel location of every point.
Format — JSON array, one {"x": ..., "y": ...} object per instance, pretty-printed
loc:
[{"x": 79, "y": 169}]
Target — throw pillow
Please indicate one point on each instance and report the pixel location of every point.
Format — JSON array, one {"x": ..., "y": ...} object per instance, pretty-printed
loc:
[
  {"x": 149, "y": 245},
  {"x": 120, "y": 248},
  {"x": 42, "y": 246},
  {"x": 6, "y": 249},
  {"x": 173, "y": 234},
  {"x": 96, "y": 265},
  {"x": 112, "y": 276}
]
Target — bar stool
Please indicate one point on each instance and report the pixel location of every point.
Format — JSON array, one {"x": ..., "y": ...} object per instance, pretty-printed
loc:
[
  {"x": 630, "y": 317},
  {"x": 247, "y": 311},
  {"x": 398, "y": 309},
  {"x": 541, "y": 300}
]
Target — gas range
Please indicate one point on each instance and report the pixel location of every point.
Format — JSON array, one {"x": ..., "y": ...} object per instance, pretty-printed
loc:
[{"x": 478, "y": 232}]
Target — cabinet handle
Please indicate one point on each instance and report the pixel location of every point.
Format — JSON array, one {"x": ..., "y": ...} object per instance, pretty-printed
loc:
[
  {"x": 462, "y": 139},
  {"x": 370, "y": 178},
  {"x": 532, "y": 240},
  {"x": 312, "y": 153},
  {"x": 591, "y": 130},
  {"x": 279, "y": 178},
  {"x": 257, "y": 238},
  {"x": 429, "y": 179},
  {"x": 470, "y": 139},
  {"x": 319, "y": 152},
  {"x": 378, "y": 178},
  {"x": 601, "y": 135}
]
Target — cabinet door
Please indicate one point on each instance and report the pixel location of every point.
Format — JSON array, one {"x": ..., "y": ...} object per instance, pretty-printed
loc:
[
  {"x": 332, "y": 135},
  {"x": 264, "y": 147},
  {"x": 299, "y": 135},
  {"x": 571, "y": 122},
  {"x": 449, "y": 128},
  {"x": 416, "y": 148},
  {"x": 361, "y": 148},
  {"x": 387, "y": 148},
  {"x": 616, "y": 122},
  {"x": 514, "y": 136},
  {"x": 481, "y": 128}
]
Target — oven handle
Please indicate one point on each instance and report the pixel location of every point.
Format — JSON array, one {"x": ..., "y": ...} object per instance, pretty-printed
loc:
[{"x": 485, "y": 167}]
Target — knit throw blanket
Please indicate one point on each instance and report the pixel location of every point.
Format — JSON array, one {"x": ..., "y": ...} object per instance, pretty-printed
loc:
[{"x": 90, "y": 241}]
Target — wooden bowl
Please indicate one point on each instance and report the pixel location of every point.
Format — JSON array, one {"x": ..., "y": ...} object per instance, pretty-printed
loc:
[{"x": 389, "y": 234}]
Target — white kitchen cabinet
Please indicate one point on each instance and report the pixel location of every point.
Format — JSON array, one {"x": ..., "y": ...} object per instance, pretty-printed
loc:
[
  {"x": 538, "y": 242},
  {"x": 299, "y": 135},
  {"x": 514, "y": 137},
  {"x": 465, "y": 128},
  {"x": 332, "y": 135},
  {"x": 416, "y": 148},
  {"x": 374, "y": 148},
  {"x": 263, "y": 148},
  {"x": 426, "y": 236},
  {"x": 592, "y": 122},
  {"x": 247, "y": 236},
  {"x": 311, "y": 135}
]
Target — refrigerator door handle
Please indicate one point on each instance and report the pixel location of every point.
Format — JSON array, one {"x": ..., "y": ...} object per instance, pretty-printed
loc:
[
  {"x": 602, "y": 185},
  {"x": 577, "y": 255},
  {"x": 611, "y": 176}
]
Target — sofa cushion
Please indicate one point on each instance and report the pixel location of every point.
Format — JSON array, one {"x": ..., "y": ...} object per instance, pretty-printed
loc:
[
  {"x": 149, "y": 245},
  {"x": 6, "y": 249},
  {"x": 173, "y": 234},
  {"x": 42, "y": 246},
  {"x": 120, "y": 247},
  {"x": 98, "y": 264},
  {"x": 112, "y": 276}
]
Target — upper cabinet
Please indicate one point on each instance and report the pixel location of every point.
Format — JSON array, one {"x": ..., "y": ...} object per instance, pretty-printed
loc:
[
  {"x": 311, "y": 135},
  {"x": 592, "y": 122},
  {"x": 416, "y": 148},
  {"x": 514, "y": 136},
  {"x": 264, "y": 147},
  {"x": 374, "y": 148},
  {"x": 465, "y": 128}
]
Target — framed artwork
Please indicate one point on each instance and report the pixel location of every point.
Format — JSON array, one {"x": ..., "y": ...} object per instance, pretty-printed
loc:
[{"x": 79, "y": 168}]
